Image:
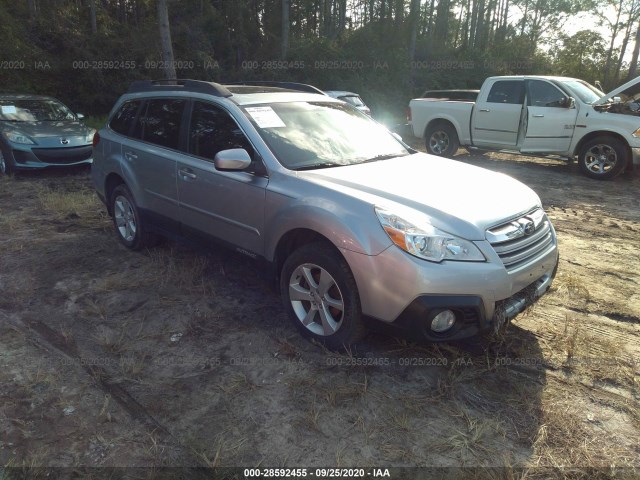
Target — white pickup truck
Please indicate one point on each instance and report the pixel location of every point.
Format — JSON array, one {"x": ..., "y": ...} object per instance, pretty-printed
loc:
[{"x": 538, "y": 115}]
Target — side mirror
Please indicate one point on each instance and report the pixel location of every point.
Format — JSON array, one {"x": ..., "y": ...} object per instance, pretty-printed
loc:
[
  {"x": 232, "y": 159},
  {"x": 569, "y": 102},
  {"x": 80, "y": 116},
  {"x": 617, "y": 100}
]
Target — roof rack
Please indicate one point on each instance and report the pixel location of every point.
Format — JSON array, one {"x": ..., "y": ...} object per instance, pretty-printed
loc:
[
  {"x": 198, "y": 86},
  {"x": 302, "y": 87}
]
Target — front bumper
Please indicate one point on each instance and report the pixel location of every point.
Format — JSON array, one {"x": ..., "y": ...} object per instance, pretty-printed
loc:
[
  {"x": 34, "y": 158},
  {"x": 405, "y": 292}
]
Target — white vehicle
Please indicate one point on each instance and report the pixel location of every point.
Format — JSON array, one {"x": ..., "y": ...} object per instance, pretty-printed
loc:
[{"x": 538, "y": 115}]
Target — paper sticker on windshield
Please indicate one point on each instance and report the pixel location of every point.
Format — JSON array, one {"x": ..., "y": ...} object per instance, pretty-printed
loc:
[
  {"x": 8, "y": 109},
  {"x": 265, "y": 117}
]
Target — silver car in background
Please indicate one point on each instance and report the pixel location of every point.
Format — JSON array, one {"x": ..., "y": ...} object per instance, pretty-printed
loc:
[
  {"x": 351, "y": 98},
  {"x": 357, "y": 228},
  {"x": 38, "y": 131}
]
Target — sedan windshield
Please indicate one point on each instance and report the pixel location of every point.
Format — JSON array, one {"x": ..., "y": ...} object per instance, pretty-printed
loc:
[
  {"x": 34, "y": 110},
  {"x": 585, "y": 92},
  {"x": 307, "y": 135}
]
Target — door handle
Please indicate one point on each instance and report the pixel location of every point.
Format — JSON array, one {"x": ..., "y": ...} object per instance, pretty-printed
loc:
[
  {"x": 485, "y": 110},
  {"x": 130, "y": 156},
  {"x": 187, "y": 174},
  {"x": 538, "y": 115}
]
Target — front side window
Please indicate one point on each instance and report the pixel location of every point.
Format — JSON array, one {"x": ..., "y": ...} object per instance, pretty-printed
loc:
[
  {"x": 161, "y": 123},
  {"x": 307, "y": 135},
  {"x": 543, "y": 94},
  {"x": 507, "y": 91},
  {"x": 122, "y": 120},
  {"x": 212, "y": 130}
]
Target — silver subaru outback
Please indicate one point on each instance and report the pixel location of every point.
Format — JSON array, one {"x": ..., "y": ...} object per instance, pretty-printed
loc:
[{"x": 357, "y": 228}]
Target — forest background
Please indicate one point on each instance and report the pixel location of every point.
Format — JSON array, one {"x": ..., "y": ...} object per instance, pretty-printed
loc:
[{"x": 86, "y": 52}]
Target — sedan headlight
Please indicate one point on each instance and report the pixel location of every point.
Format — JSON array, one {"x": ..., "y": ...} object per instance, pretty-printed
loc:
[
  {"x": 17, "y": 137},
  {"x": 89, "y": 136},
  {"x": 421, "y": 239}
]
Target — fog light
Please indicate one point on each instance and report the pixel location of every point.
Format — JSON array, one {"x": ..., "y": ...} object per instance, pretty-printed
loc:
[{"x": 443, "y": 321}]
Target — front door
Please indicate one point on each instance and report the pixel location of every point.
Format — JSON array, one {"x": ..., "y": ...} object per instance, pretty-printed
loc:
[
  {"x": 228, "y": 205},
  {"x": 551, "y": 119}
]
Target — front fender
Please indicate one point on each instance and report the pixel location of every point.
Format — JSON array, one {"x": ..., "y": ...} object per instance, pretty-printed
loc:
[{"x": 356, "y": 229}]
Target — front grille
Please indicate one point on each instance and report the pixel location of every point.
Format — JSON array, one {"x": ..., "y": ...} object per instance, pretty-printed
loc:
[
  {"x": 63, "y": 155},
  {"x": 522, "y": 240}
]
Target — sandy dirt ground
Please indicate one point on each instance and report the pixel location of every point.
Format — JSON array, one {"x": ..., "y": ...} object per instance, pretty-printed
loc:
[{"x": 171, "y": 357}]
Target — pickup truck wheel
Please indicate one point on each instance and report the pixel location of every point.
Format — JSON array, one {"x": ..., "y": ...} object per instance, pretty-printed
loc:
[
  {"x": 126, "y": 218},
  {"x": 321, "y": 297},
  {"x": 442, "y": 140},
  {"x": 603, "y": 158}
]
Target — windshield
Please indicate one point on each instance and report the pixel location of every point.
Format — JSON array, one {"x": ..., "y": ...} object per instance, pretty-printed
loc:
[
  {"x": 305, "y": 135},
  {"x": 34, "y": 110},
  {"x": 585, "y": 92}
]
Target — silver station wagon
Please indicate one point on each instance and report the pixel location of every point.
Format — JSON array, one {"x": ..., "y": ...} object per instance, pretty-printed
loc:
[
  {"x": 358, "y": 229},
  {"x": 38, "y": 132}
]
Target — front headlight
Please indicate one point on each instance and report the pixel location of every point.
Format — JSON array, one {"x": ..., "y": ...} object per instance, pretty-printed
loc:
[
  {"x": 636, "y": 133},
  {"x": 17, "y": 137},
  {"x": 421, "y": 239},
  {"x": 89, "y": 136}
]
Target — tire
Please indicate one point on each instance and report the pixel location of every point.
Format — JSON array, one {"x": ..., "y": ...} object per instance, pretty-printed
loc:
[
  {"x": 321, "y": 297},
  {"x": 5, "y": 166},
  {"x": 442, "y": 140},
  {"x": 127, "y": 222},
  {"x": 603, "y": 158}
]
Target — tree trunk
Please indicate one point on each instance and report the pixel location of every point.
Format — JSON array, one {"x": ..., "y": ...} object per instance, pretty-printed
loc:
[
  {"x": 614, "y": 34},
  {"x": 165, "y": 40},
  {"x": 342, "y": 17},
  {"x": 414, "y": 20},
  {"x": 285, "y": 29},
  {"x": 33, "y": 9},
  {"x": 92, "y": 14},
  {"x": 633, "y": 66}
]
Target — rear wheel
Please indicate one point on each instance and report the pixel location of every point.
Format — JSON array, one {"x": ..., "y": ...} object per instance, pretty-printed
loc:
[
  {"x": 126, "y": 219},
  {"x": 321, "y": 297},
  {"x": 442, "y": 140},
  {"x": 603, "y": 158}
]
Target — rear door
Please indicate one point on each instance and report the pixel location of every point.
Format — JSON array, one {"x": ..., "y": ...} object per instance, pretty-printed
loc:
[
  {"x": 551, "y": 120},
  {"x": 228, "y": 205},
  {"x": 497, "y": 114},
  {"x": 150, "y": 158}
]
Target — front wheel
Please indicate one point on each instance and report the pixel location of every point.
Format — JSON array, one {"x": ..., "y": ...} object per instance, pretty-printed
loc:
[
  {"x": 321, "y": 297},
  {"x": 5, "y": 166},
  {"x": 442, "y": 140},
  {"x": 603, "y": 158}
]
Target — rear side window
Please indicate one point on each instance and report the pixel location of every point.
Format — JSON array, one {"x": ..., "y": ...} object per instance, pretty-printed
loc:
[
  {"x": 161, "y": 123},
  {"x": 507, "y": 91},
  {"x": 121, "y": 122},
  {"x": 212, "y": 129}
]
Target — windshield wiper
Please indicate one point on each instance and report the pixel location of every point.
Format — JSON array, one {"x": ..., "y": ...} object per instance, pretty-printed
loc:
[
  {"x": 319, "y": 165},
  {"x": 383, "y": 157}
]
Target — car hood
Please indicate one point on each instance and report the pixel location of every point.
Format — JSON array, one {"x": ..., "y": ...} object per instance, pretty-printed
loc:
[
  {"x": 629, "y": 89},
  {"x": 460, "y": 199},
  {"x": 39, "y": 130}
]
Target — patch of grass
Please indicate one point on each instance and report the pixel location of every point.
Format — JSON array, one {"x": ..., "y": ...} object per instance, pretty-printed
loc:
[{"x": 68, "y": 204}]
